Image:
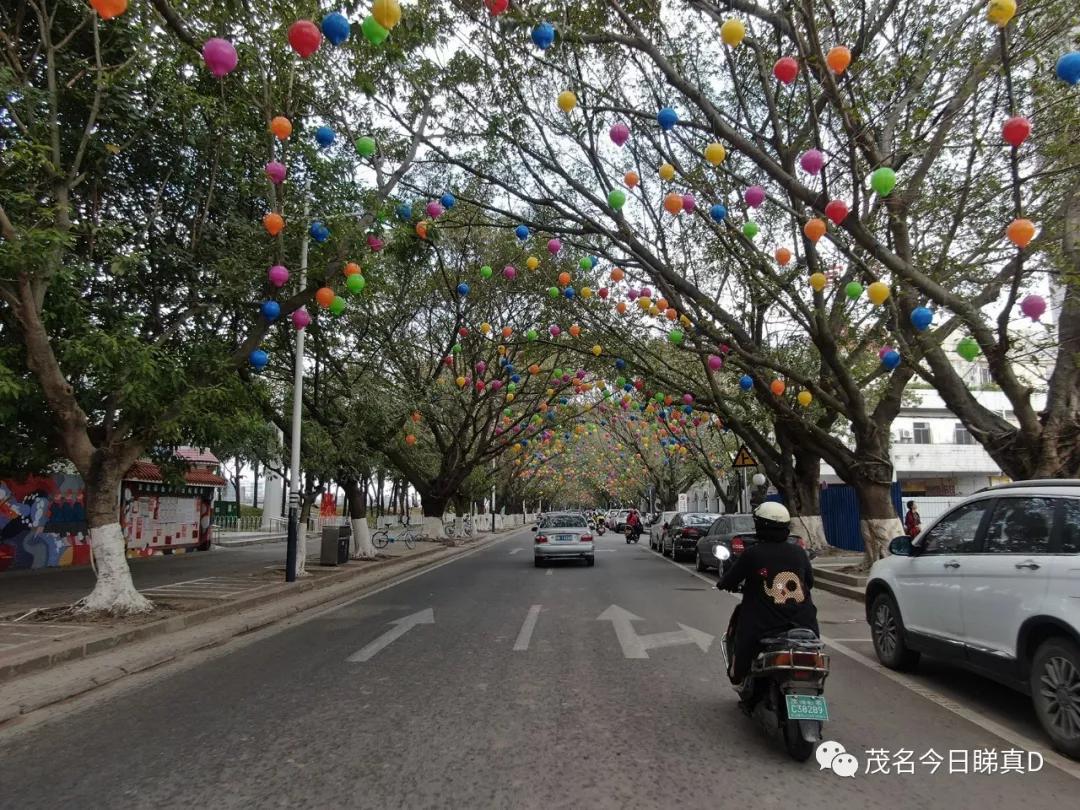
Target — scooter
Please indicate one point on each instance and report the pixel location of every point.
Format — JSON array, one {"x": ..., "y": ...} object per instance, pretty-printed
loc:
[
  {"x": 600, "y": 528},
  {"x": 785, "y": 689},
  {"x": 631, "y": 535}
]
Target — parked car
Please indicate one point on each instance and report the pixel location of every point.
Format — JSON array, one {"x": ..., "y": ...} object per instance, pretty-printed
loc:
[
  {"x": 563, "y": 536},
  {"x": 683, "y": 531},
  {"x": 617, "y": 521},
  {"x": 656, "y": 530},
  {"x": 993, "y": 585},
  {"x": 736, "y": 532}
]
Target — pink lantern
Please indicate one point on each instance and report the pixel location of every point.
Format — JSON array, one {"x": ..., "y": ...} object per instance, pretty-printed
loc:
[
  {"x": 884, "y": 350},
  {"x": 509, "y": 273},
  {"x": 646, "y": 292},
  {"x": 219, "y": 56},
  {"x": 812, "y": 161},
  {"x": 754, "y": 196},
  {"x": 688, "y": 399},
  {"x": 581, "y": 374},
  {"x": 554, "y": 330},
  {"x": 375, "y": 243},
  {"x": 554, "y": 246},
  {"x": 434, "y": 209},
  {"x": 619, "y": 133},
  {"x": 300, "y": 318},
  {"x": 278, "y": 275},
  {"x": 496, "y": 385},
  {"x": 275, "y": 171},
  {"x": 688, "y": 203},
  {"x": 1033, "y": 306},
  {"x": 566, "y": 378},
  {"x": 715, "y": 362},
  {"x": 481, "y": 367},
  {"x": 632, "y": 294}
]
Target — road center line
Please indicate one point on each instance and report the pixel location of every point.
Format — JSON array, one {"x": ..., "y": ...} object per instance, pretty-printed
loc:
[
  {"x": 1014, "y": 738},
  {"x": 527, "y": 627}
]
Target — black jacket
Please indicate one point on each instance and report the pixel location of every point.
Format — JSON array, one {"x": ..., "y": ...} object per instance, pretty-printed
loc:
[{"x": 776, "y": 580}]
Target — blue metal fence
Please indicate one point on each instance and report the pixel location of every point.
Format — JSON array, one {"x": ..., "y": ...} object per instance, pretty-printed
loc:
[{"x": 840, "y": 515}]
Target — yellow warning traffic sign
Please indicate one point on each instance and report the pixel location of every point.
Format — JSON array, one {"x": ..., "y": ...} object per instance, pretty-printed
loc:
[{"x": 743, "y": 459}]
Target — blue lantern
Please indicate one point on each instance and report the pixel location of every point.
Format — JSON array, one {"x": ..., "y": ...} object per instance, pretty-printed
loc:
[
  {"x": 270, "y": 310},
  {"x": 1068, "y": 67},
  {"x": 569, "y": 292},
  {"x": 628, "y": 387},
  {"x": 667, "y": 118},
  {"x": 324, "y": 136},
  {"x": 891, "y": 359},
  {"x": 687, "y": 408},
  {"x": 448, "y": 200},
  {"x": 522, "y": 232},
  {"x": 404, "y": 211},
  {"x": 921, "y": 318},
  {"x": 543, "y": 35},
  {"x": 718, "y": 213},
  {"x": 335, "y": 27},
  {"x": 319, "y": 232},
  {"x": 746, "y": 382},
  {"x": 258, "y": 358},
  {"x": 620, "y": 363},
  {"x": 593, "y": 260},
  {"x": 463, "y": 289},
  {"x": 515, "y": 378}
]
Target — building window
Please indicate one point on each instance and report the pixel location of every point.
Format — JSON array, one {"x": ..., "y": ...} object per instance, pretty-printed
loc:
[
  {"x": 921, "y": 431},
  {"x": 961, "y": 435},
  {"x": 985, "y": 377}
]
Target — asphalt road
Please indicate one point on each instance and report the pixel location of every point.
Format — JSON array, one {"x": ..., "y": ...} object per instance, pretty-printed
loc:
[{"x": 514, "y": 695}]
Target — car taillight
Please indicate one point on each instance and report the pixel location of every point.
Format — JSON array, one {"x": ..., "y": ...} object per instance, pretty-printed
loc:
[
  {"x": 737, "y": 545},
  {"x": 691, "y": 532},
  {"x": 541, "y": 539},
  {"x": 586, "y": 538}
]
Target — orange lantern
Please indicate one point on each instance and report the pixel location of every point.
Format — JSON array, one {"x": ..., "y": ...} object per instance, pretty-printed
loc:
[
  {"x": 575, "y": 330},
  {"x": 274, "y": 223},
  {"x": 416, "y": 416},
  {"x": 421, "y": 229},
  {"x": 673, "y": 203},
  {"x": 662, "y": 303},
  {"x": 671, "y": 313},
  {"x": 617, "y": 274},
  {"x": 838, "y": 58},
  {"x": 631, "y": 179},
  {"x": 325, "y": 297},
  {"x": 281, "y": 127},
  {"x": 621, "y": 307},
  {"x": 410, "y": 439},
  {"x": 352, "y": 269},
  {"x": 783, "y": 256},
  {"x": 107, "y": 9},
  {"x": 507, "y": 331},
  {"x": 564, "y": 279},
  {"x": 534, "y": 369},
  {"x": 1021, "y": 232},
  {"x": 814, "y": 229},
  {"x": 777, "y": 387}
]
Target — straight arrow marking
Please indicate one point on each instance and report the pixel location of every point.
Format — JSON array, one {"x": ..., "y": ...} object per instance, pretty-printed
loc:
[
  {"x": 400, "y": 628},
  {"x": 515, "y": 551},
  {"x": 635, "y": 646},
  {"x": 525, "y": 636}
]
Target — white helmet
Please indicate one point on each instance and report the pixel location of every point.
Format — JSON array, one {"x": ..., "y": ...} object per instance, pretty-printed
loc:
[
  {"x": 773, "y": 511},
  {"x": 772, "y": 521}
]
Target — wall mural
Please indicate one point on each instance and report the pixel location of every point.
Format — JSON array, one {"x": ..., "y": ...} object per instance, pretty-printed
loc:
[{"x": 43, "y": 522}]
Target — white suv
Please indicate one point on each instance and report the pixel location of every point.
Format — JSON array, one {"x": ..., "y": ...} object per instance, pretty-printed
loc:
[{"x": 993, "y": 584}]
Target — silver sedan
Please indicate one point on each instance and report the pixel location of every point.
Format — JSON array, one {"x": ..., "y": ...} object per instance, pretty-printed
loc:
[{"x": 563, "y": 536}]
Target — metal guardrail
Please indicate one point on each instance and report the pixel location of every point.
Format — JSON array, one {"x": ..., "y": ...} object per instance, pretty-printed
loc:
[{"x": 254, "y": 523}]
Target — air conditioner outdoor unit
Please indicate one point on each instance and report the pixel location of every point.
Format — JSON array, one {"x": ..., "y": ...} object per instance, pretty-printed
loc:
[{"x": 905, "y": 437}]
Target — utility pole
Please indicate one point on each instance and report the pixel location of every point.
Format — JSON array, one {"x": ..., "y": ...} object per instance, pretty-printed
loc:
[{"x": 297, "y": 411}]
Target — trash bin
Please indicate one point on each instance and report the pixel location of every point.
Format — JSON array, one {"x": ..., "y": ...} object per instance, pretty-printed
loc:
[{"x": 335, "y": 545}]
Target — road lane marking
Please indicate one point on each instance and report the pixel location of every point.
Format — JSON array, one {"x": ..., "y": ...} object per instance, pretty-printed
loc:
[
  {"x": 1015, "y": 738},
  {"x": 515, "y": 551},
  {"x": 549, "y": 572},
  {"x": 635, "y": 646},
  {"x": 525, "y": 636},
  {"x": 400, "y": 628}
]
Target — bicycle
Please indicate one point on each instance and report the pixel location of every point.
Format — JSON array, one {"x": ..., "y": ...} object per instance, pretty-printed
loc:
[
  {"x": 382, "y": 538},
  {"x": 449, "y": 527}
]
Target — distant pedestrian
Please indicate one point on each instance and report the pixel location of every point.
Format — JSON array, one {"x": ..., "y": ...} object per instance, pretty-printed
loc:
[{"x": 913, "y": 520}]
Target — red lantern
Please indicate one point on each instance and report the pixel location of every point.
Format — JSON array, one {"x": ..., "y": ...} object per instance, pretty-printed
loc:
[
  {"x": 786, "y": 69},
  {"x": 305, "y": 37},
  {"x": 837, "y": 211},
  {"x": 496, "y": 7},
  {"x": 1016, "y": 130}
]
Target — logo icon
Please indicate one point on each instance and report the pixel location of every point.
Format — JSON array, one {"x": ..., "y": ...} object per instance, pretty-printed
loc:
[{"x": 832, "y": 756}]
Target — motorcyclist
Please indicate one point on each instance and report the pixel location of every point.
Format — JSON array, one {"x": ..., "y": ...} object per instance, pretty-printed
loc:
[
  {"x": 634, "y": 522},
  {"x": 776, "y": 577}
]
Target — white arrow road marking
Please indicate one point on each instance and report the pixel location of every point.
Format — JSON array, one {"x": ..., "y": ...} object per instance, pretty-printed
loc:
[
  {"x": 635, "y": 646},
  {"x": 550, "y": 571},
  {"x": 525, "y": 636},
  {"x": 400, "y": 628},
  {"x": 515, "y": 551}
]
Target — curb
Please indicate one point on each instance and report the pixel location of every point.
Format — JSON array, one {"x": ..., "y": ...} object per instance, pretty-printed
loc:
[
  {"x": 43, "y": 661},
  {"x": 852, "y": 580},
  {"x": 857, "y": 594}
]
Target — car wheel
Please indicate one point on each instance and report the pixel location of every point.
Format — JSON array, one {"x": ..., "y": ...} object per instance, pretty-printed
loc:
[
  {"x": 1055, "y": 691},
  {"x": 887, "y": 630},
  {"x": 700, "y": 564},
  {"x": 590, "y": 561}
]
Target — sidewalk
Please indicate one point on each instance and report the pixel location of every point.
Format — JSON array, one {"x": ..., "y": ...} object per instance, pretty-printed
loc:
[{"x": 834, "y": 573}]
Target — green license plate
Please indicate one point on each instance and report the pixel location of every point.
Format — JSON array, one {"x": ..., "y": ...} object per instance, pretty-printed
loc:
[{"x": 806, "y": 707}]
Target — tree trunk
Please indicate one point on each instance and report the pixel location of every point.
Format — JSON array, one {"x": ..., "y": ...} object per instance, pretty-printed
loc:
[
  {"x": 879, "y": 523},
  {"x": 434, "y": 507},
  {"x": 237, "y": 466},
  {"x": 310, "y": 493},
  {"x": 114, "y": 592},
  {"x": 255, "y": 487},
  {"x": 356, "y": 503},
  {"x": 805, "y": 501}
]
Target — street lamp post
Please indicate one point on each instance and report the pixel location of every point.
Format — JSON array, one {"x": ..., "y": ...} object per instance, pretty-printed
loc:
[{"x": 293, "y": 538}]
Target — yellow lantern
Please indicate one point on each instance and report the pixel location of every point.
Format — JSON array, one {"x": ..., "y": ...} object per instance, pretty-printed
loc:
[
  {"x": 654, "y": 310},
  {"x": 684, "y": 320},
  {"x": 667, "y": 171},
  {"x": 732, "y": 32},
  {"x": 485, "y": 328},
  {"x": 567, "y": 100},
  {"x": 532, "y": 262},
  {"x": 1000, "y": 12},
  {"x": 586, "y": 292},
  {"x": 877, "y": 293},
  {"x": 644, "y": 303},
  {"x": 818, "y": 281},
  {"x": 805, "y": 398},
  {"x": 387, "y": 13},
  {"x": 460, "y": 382},
  {"x": 510, "y": 396},
  {"x": 715, "y": 153}
]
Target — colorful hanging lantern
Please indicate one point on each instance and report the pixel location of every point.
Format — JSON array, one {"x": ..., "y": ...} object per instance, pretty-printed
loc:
[
  {"x": 732, "y": 32},
  {"x": 543, "y": 35},
  {"x": 878, "y": 293},
  {"x": 666, "y": 172},
  {"x": 270, "y": 310},
  {"x": 818, "y": 281},
  {"x": 324, "y": 136},
  {"x": 921, "y": 318},
  {"x": 355, "y": 284},
  {"x": 218, "y": 54},
  {"x": 300, "y": 318},
  {"x": 812, "y": 161},
  {"x": 786, "y": 69},
  {"x": 968, "y": 348},
  {"x": 667, "y": 118},
  {"x": 838, "y": 58},
  {"x": 999, "y": 12},
  {"x": 616, "y": 198},
  {"x": 754, "y": 196},
  {"x": 746, "y": 382},
  {"x": 497, "y": 7},
  {"x": 387, "y": 13},
  {"x": 258, "y": 358},
  {"x": 335, "y": 27},
  {"x": 567, "y": 100},
  {"x": 837, "y": 211},
  {"x": 1016, "y": 130},
  {"x": 890, "y": 359},
  {"x": 853, "y": 290},
  {"x": 274, "y": 223},
  {"x": 373, "y": 32},
  {"x": 278, "y": 275},
  {"x": 281, "y": 127},
  {"x": 689, "y": 204},
  {"x": 814, "y": 229},
  {"x": 718, "y": 212},
  {"x": 673, "y": 203},
  {"x": 324, "y": 296},
  {"x": 631, "y": 179},
  {"x": 554, "y": 246},
  {"x": 782, "y": 256},
  {"x": 1020, "y": 232},
  {"x": 1033, "y": 306},
  {"x": 750, "y": 229},
  {"x": 304, "y": 37},
  {"x": 1068, "y": 68},
  {"x": 883, "y": 180},
  {"x": 509, "y": 272},
  {"x": 276, "y": 172},
  {"x": 805, "y": 398},
  {"x": 619, "y": 133},
  {"x": 365, "y": 146},
  {"x": 715, "y": 154}
]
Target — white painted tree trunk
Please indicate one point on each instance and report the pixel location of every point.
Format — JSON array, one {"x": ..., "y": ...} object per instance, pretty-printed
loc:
[
  {"x": 114, "y": 592},
  {"x": 877, "y": 534},
  {"x": 301, "y": 550},
  {"x": 362, "y": 549},
  {"x": 433, "y": 527},
  {"x": 812, "y": 529}
]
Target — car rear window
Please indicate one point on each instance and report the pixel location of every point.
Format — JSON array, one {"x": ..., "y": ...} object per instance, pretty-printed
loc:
[
  {"x": 742, "y": 523},
  {"x": 563, "y": 522},
  {"x": 698, "y": 520}
]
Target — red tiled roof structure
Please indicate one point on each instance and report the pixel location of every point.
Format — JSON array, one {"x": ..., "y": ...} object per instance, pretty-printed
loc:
[{"x": 150, "y": 472}]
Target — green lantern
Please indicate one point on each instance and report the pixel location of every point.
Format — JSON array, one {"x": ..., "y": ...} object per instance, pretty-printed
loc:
[
  {"x": 531, "y": 335},
  {"x": 337, "y": 306},
  {"x": 883, "y": 181},
  {"x": 853, "y": 290},
  {"x": 968, "y": 348},
  {"x": 675, "y": 336},
  {"x": 616, "y": 198},
  {"x": 365, "y": 145},
  {"x": 355, "y": 283},
  {"x": 373, "y": 32},
  {"x": 485, "y": 271},
  {"x": 750, "y": 229}
]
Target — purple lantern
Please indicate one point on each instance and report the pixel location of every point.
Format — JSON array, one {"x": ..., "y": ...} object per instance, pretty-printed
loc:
[
  {"x": 554, "y": 330},
  {"x": 812, "y": 161},
  {"x": 554, "y": 246},
  {"x": 688, "y": 399},
  {"x": 689, "y": 204},
  {"x": 509, "y": 273},
  {"x": 278, "y": 275},
  {"x": 754, "y": 196},
  {"x": 646, "y": 292},
  {"x": 481, "y": 367},
  {"x": 275, "y": 171},
  {"x": 375, "y": 243},
  {"x": 300, "y": 318},
  {"x": 434, "y": 209},
  {"x": 1033, "y": 306},
  {"x": 716, "y": 362},
  {"x": 219, "y": 56},
  {"x": 619, "y": 133},
  {"x": 632, "y": 294}
]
